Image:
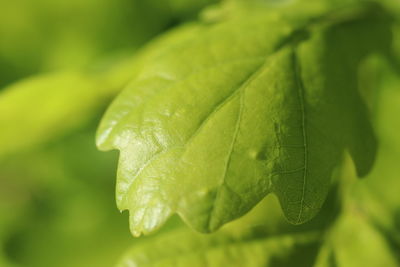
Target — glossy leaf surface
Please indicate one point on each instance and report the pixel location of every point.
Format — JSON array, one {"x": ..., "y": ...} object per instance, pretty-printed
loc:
[{"x": 249, "y": 106}]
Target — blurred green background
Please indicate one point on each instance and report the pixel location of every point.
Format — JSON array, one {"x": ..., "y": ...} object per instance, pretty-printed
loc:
[{"x": 61, "y": 63}]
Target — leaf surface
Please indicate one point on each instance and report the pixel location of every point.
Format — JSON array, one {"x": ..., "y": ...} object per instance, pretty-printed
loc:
[{"x": 253, "y": 104}]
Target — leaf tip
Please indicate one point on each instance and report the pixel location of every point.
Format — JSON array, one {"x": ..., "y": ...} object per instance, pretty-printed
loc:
[{"x": 102, "y": 137}]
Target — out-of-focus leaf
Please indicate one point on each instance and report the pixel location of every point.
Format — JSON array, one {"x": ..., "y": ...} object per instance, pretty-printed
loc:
[
  {"x": 182, "y": 8},
  {"x": 185, "y": 248},
  {"x": 207, "y": 129},
  {"x": 40, "y": 108},
  {"x": 355, "y": 242}
]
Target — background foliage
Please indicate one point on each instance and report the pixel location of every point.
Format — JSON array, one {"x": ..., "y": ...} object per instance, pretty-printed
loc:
[{"x": 62, "y": 62}]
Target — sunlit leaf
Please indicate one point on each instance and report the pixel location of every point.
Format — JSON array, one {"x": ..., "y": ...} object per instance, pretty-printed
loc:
[{"x": 251, "y": 105}]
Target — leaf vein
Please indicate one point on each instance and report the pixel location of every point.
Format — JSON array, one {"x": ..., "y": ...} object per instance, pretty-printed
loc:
[{"x": 300, "y": 91}]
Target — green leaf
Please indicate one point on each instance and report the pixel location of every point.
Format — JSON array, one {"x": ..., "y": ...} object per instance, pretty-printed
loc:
[
  {"x": 182, "y": 8},
  {"x": 38, "y": 109},
  {"x": 358, "y": 235},
  {"x": 364, "y": 231},
  {"x": 256, "y": 103},
  {"x": 185, "y": 248}
]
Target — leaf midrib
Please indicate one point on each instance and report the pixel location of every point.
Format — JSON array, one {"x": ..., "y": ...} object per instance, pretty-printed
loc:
[{"x": 301, "y": 92}]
